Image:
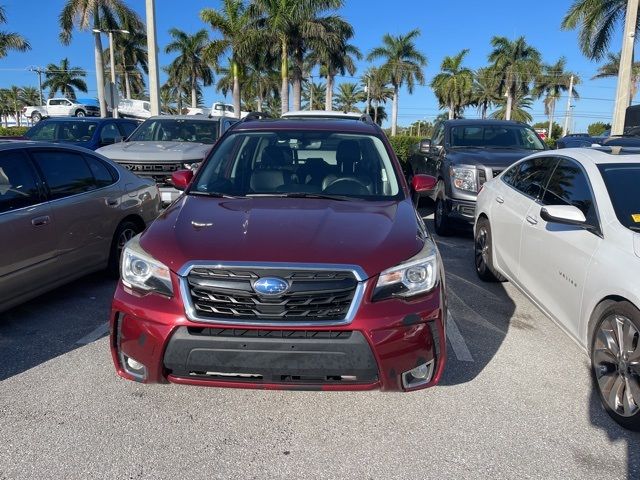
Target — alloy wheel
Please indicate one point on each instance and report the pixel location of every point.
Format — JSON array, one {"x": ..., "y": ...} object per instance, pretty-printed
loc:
[
  {"x": 126, "y": 235},
  {"x": 481, "y": 249},
  {"x": 616, "y": 364}
]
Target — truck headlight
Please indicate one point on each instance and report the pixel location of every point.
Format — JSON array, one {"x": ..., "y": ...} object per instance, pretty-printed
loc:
[
  {"x": 415, "y": 276},
  {"x": 193, "y": 166},
  {"x": 140, "y": 271},
  {"x": 463, "y": 178}
]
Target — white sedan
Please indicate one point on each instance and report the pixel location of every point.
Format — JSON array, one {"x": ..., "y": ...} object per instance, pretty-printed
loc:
[{"x": 564, "y": 227}]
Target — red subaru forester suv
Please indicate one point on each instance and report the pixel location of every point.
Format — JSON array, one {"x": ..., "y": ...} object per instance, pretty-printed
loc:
[{"x": 295, "y": 259}]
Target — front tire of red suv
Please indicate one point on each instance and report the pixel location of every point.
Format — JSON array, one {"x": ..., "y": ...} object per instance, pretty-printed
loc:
[
  {"x": 483, "y": 252},
  {"x": 615, "y": 362}
]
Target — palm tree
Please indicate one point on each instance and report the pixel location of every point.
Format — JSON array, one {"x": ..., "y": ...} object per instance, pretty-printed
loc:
[
  {"x": 293, "y": 26},
  {"x": 5, "y": 106},
  {"x": 10, "y": 40},
  {"x": 403, "y": 64},
  {"x": 131, "y": 52},
  {"x": 349, "y": 95},
  {"x": 611, "y": 68},
  {"x": 453, "y": 86},
  {"x": 261, "y": 79},
  {"x": 597, "y": 21},
  {"x": 518, "y": 113},
  {"x": 486, "y": 90},
  {"x": 96, "y": 14},
  {"x": 233, "y": 22},
  {"x": 31, "y": 96},
  {"x": 312, "y": 94},
  {"x": 518, "y": 63},
  {"x": 378, "y": 113},
  {"x": 190, "y": 65},
  {"x": 15, "y": 102},
  {"x": 64, "y": 79},
  {"x": 379, "y": 91},
  {"x": 552, "y": 83}
]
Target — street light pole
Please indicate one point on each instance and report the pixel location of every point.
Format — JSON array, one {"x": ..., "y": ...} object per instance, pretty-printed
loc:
[
  {"x": 113, "y": 75},
  {"x": 565, "y": 129},
  {"x": 624, "y": 70},
  {"x": 152, "y": 48},
  {"x": 39, "y": 71}
]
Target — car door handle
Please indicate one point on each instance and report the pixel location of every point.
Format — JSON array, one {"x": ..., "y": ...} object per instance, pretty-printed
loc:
[
  {"x": 531, "y": 220},
  {"x": 499, "y": 199},
  {"x": 40, "y": 221}
]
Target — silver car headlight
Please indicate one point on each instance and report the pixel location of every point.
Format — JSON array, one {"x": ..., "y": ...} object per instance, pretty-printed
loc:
[
  {"x": 140, "y": 271},
  {"x": 415, "y": 276},
  {"x": 464, "y": 178}
]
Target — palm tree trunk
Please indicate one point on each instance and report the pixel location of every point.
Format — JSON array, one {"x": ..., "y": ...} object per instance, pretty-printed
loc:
[
  {"x": 451, "y": 112},
  {"x": 97, "y": 52},
  {"x": 297, "y": 80},
  {"x": 394, "y": 112},
  {"x": 127, "y": 84},
  {"x": 236, "y": 87},
  {"x": 284, "y": 75},
  {"x": 375, "y": 113},
  {"x": 259, "y": 103},
  {"x": 328, "y": 103},
  {"x": 507, "y": 115},
  {"x": 484, "y": 111},
  {"x": 194, "y": 96},
  {"x": 552, "y": 108}
]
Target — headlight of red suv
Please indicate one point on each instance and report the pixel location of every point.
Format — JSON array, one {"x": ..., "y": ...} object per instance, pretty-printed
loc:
[
  {"x": 140, "y": 271},
  {"x": 414, "y": 276}
]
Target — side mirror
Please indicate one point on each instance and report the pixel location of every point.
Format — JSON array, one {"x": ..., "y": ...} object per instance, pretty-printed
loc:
[
  {"x": 181, "y": 179},
  {"x": 425, "y": 146},
  {"x": 564, "y": 214},
  {"x": 423, "y": 183}
]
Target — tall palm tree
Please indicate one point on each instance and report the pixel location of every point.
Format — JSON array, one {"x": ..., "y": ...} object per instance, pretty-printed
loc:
[
  {"x": 5, "y": 106},
  {"x": 31, "y": 96},
  {"x": 378, "y": 113},
  {"x": 293, "y": 26},
  {"x": 486, "y": 90},
  {"x": 403, "y": 64},
  {"x": 15, "y": 101},
  {"x": 131, "y": 53},
  {"x": 552, "y": 83},
  {"x": 233, "y": 21},
  {"x": 64, "y": 79},
  {"x": 190, "y": 64},
  {"x": 453, "y": 86},
  {"x": 518, "y": 64},
  {"x": 519, "y": 106},
  {"x": 262, "y": 80},
  {"x": 379, "y": 92},
  {"x": 312, "y": 94},
  {"x": 11, "y": 40},
  {"x": 597, "y": 21},
  {"x": 96, "y": 14},
  {"x": 611, "y": 68},
  {"x": 349, "y": 95}
]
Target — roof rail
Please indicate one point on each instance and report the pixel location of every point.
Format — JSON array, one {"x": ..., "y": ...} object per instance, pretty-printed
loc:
[{"x": 255, "y": 116}]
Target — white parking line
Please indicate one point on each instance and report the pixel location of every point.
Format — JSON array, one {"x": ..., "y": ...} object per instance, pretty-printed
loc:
[
  {"x": 457, "y": 342},
  {"x": 95, "y": 334},
  {"x": 471, "y": 284}
]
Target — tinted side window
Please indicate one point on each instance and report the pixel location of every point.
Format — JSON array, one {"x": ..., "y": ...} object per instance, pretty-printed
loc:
[
  {"x": 65, "y": 173},
  {"x": 532, "y": 176},
  {"x": 102, "y": 174},
  {"x": 109, "y": 133},
  {"x": 127, "y": 128},
  {"x": 18, "y": 187},
  {"x": 509, "y": 177},
  {"x": 568, "y": 185}
]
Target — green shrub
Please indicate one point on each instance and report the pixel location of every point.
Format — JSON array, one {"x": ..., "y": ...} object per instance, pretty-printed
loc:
[
  {"x": 403, "y": 146},
  {"x": 12, "y": 131},
  {"x": 551, "y": 143}
]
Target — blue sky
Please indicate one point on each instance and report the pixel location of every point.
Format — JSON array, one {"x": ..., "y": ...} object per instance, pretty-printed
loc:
[{"x": 447, "y": 27}]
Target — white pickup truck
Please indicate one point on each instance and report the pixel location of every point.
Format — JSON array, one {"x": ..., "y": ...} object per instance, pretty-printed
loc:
[
  {"x": 60, "y": 107},
  {"x": 218, "y": 109}
]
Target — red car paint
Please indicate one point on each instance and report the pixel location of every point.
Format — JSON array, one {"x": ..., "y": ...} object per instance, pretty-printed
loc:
[{"x": 402, "y": 333}]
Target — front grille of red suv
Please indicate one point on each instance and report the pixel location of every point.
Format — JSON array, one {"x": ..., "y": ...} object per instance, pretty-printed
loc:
[{"x": 313, "y": 296}]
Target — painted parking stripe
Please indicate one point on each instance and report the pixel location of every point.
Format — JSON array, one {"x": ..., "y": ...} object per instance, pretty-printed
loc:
[
  {"x": 457, "y": 342},
  {"x": 97, "y": 333},
  {"x": 473, "y": 285}
]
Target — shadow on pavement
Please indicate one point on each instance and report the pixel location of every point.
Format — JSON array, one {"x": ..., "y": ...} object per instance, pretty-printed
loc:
[{"x": 51, "y": 325}]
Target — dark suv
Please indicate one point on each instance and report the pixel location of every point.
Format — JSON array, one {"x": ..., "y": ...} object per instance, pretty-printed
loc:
[
  {"x": 463, "y": 155},
  {"x": 295, "y": 258}
]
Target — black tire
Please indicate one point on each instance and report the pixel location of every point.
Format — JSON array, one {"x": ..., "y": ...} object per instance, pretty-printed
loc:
[
  {"x": 80, "y": 113},
  {"x": 441, "y": 220},
  {"x": 36, "y": 117},
  {"x": 483, "y": 252},
  {"x": 615, "y": 365},
  {"x": 125, "y": 232}
]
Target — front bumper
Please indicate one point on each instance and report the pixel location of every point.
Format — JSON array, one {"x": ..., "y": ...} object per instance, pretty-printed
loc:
[
  {"x": 461, "y": 210},
  {"x": 385, "y": 340}
]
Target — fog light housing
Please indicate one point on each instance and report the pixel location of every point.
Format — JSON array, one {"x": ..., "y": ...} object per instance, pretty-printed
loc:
[
  {"x": 133, "y": 367},
  {"x": 418, "y": 376}
]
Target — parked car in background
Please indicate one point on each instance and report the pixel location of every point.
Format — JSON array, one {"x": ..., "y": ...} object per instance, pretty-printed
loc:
[
  {"x": 165, "y": 144},
  {"x": 463, "y": 155},
  {"x": 565, "y": 229},
  {"x": 139, "y": 109},
  {"x": 60, "y": 107},
  {"x": 64, "y": 212},
  {"x": 91, "y": 133},
  {"x": 295, "y": 259},
  {"x": 218, "y": 109},
  {"x": 575, "y": 140}
]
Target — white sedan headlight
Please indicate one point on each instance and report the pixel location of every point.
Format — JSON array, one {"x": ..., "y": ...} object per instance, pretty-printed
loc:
[
  {"x": 417, "y": 275},
  {"x": 140, "y": 271},
  {"x": 464, "y": 178}
]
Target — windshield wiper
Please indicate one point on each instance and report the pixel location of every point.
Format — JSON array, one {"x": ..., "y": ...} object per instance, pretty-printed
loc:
[
  {"x": 341, "y": 198},
  {"x": 213, "y": 194}
]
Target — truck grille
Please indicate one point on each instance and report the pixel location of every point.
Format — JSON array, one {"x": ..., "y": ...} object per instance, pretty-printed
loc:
[
  {"x": 158, "y": 172},
  {"x": 228, "y": 295}
]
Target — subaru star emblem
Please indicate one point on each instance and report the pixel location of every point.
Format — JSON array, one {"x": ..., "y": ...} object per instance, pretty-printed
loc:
[{"x": 270, "y": 286}]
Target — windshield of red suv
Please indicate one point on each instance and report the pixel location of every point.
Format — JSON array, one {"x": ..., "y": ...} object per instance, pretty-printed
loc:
[
  {"x": 500, "y": 136},
  {"x": 299, "y": 163},
  {"x": 176, "y": 130}
]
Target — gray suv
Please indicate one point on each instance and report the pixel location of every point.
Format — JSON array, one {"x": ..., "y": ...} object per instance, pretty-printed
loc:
[{"x": 64, "y": 212}]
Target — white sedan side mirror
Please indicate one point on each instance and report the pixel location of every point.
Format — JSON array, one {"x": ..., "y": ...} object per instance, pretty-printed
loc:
[{"x": 565, "y": 214}]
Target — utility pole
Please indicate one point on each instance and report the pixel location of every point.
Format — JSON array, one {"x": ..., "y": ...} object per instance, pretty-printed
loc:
[
  {"x": 114, "y": 107},
  {"x": 39, "y": 71},
  {"x": 152, "y": 48},
  {"x": 624, "y": 70},
  {"x": 565, "y": 129}
]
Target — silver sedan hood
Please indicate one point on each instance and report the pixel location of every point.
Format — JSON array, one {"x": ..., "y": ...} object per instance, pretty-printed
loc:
[{"x": 156, "y": 151}]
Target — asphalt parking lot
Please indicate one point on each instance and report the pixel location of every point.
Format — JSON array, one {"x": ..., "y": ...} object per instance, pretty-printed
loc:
[{"x": 515, "y": 402}]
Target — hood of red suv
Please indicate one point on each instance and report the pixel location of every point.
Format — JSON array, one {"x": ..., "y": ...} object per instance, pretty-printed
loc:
[{"x": 372, "y": 235}]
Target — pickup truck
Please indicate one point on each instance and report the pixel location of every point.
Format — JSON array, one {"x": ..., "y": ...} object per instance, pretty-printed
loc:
[
  {"x": 60, "y": 107},
  {"x": 218, "y": 109}
]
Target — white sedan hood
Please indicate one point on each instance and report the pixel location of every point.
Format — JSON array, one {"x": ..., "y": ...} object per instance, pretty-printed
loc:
[{"x": 156, "y": 151}]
